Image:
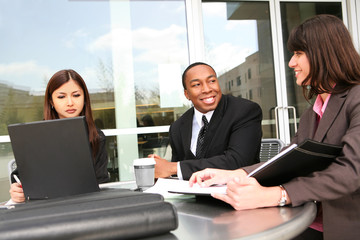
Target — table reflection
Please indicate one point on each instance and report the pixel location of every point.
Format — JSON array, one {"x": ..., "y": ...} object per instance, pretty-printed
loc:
[{"x": 213, "y": 219}]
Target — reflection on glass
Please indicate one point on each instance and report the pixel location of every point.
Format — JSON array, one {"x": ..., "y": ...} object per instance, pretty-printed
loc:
[
  {"x": 5, "y": 156},
  {"x": 239, "y": 47},
  {"x": 151, "y": 51},
  {"x": 42, "y": 37},
  {"x": 292, "y": 14},
  {"x": 113, "y": 167},
  {"x": 159, "y": 48},
  {"x": 154, "y": 143},
  {"x": 39, "y": 38}
]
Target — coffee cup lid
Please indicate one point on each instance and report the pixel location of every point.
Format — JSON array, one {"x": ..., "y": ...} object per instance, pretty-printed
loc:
[{"x": 144, "y": 161}]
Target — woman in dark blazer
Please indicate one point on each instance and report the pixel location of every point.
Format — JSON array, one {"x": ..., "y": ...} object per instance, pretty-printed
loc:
[
  {"x": 67, "y": 96},
  {"x": 327, "y": 66}
]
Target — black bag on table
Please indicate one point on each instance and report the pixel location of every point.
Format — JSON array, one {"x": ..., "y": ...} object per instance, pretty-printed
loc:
[{"x": 108, "y": 214}]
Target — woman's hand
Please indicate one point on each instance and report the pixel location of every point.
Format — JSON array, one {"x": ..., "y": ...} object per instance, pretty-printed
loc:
[
  {"x": 17, "y": 193},
  {"x": 246, "y": 193},
  {"x": 211, "y": 176}
]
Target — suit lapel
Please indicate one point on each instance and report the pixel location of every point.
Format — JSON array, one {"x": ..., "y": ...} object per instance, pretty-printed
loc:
[
  {"x": 214, "y": 124},
  {"x": 312, "y": 127},
  {"x": 332, "y": 110},
  {"x": 186, "y": 132}
]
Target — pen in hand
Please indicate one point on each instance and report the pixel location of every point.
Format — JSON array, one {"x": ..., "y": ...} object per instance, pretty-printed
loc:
[{"x": 17, "y": 179}]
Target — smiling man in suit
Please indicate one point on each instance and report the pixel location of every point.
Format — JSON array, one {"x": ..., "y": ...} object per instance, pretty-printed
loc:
[{"x": 220, "y": 131}]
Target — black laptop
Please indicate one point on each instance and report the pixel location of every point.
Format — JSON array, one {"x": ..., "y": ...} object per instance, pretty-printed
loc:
[{"x": 53, "y": 158}]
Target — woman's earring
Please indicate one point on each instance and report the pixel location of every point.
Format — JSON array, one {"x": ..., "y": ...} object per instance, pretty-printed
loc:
[{"x": 52, "y": 107}]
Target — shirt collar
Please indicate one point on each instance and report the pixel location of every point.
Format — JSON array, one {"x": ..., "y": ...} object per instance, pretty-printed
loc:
[
  {"x": 198, "y": 116},
  {"x": 320, "y": 106}
]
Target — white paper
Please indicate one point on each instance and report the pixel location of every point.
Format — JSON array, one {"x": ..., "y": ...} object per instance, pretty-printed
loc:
[
  {"x": 163, "y": 186},
  {"x": 9, "y": 204}
]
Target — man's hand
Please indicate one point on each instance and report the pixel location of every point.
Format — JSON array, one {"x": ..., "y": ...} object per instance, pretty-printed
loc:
[{"x": 163, "y": 168}]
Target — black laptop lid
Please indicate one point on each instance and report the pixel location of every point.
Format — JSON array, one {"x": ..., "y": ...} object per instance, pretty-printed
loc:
[{"x": 53, "y": 158}]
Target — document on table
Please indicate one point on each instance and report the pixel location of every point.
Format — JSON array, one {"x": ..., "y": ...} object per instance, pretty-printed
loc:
[
  {"x": 170, "y": 187},
  {"x": 9, "y": 204}
]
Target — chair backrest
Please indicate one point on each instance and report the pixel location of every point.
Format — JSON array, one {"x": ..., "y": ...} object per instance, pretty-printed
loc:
[
  {"x": 11, "y": 168},
  {"x": 269, "y": 148}
]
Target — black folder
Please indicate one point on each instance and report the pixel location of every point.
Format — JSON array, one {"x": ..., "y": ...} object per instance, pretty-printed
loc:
[
  {"x": 109, "y": 214},
  {"x": 295, "y": 161}
]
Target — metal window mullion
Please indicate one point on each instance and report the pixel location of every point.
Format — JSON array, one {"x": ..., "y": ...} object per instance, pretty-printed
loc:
[
  {"x": 195, "y": 30},
  {"x": 282, "y": 116}
]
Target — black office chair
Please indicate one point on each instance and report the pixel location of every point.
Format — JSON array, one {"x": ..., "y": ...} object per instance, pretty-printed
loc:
[{"x": 269, "y": 148}]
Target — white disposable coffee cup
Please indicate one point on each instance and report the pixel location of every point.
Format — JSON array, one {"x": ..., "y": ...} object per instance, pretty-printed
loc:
[{"x": 144, "y": 169}]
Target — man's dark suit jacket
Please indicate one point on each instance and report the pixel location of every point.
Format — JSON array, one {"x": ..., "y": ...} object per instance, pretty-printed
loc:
[
  {"x": 338, "y": 186},
  {"x": 232, "y": 141}
]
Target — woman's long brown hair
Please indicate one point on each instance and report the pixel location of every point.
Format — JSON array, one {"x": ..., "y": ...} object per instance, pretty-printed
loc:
[
  {"x": 57, "y": 80},
  {"x": 332, "y": 56}
]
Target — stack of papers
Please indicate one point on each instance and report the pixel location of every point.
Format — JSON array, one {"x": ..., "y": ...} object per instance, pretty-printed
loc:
[{"x": 171, "y": 187}]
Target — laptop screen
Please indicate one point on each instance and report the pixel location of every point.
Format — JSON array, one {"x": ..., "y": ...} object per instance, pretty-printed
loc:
[{"x": 53, "y": 158}]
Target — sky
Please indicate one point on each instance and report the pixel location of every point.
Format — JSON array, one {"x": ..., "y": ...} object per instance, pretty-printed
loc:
[
  {"x": 227, "y": 42},
  {"x": 40, "y": 37}
]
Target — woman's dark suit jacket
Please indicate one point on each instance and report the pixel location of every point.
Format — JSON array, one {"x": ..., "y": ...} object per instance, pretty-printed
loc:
[
  {"x": 338, "y": 186},
  {"x": 232, "y": 140}
]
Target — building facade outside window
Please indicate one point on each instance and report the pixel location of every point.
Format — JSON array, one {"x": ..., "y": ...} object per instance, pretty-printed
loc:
[{"x": 238, "y": 81}]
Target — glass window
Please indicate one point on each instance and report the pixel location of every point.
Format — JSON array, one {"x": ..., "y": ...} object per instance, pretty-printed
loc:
[
  {"x": 38, "y": 39},
  {"x": 237, "y": 39},
  {"x": 152, "y": 53},
  {"x": 238, "y": 80},
  {"x": 292, "y": 14},
  {"x": 130, "y": 58}
]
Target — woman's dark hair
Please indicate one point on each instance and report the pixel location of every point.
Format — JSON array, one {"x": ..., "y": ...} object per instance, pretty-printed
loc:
[
  {"x": 57, "y": 80},
  {"x": 191, "y": 66},
  {"x": 332, "y": 56}
]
